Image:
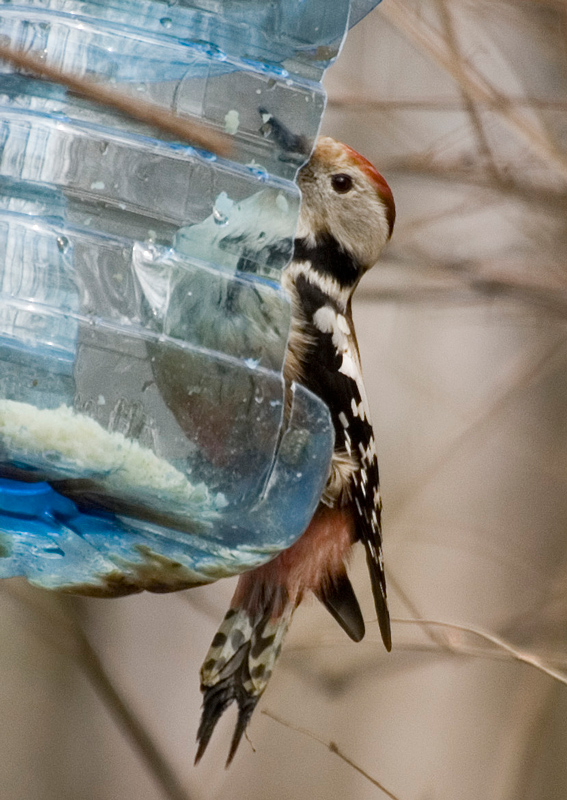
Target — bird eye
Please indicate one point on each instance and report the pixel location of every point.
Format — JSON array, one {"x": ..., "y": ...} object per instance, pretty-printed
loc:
[{"x": 341, "y": 183}]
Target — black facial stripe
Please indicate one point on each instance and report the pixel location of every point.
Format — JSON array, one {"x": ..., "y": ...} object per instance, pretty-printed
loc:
[
  {"x": 311, "y": 297},
  {"x": 328, "y": 258}
]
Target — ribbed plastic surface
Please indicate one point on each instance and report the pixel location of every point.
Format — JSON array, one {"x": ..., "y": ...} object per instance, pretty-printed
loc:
[{"x": 144, "y": 437}]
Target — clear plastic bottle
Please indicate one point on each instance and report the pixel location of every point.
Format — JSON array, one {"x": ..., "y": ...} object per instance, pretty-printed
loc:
[{"x": 144, "y": 437}]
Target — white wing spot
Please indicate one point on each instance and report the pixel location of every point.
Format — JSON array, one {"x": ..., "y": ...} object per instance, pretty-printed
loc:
[
  {"x": 342, "y": 324},
  {"x": 325, "y": 318},
  {"x": 349, "y": 367},
  {"x": 358, "y": 409}
]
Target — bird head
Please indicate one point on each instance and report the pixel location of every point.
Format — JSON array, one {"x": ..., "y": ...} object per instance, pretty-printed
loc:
[{"x": 346, "y": 198}]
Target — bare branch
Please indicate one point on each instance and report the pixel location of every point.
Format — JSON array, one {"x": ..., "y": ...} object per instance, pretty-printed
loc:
[
  {"x": 80, "y": 649},
  {"x": 333, "y": 747},
  {"x": 151, "y": 114},
  {"x": 523, "y": 373},
  {"x": 468, "y": 100},
  {"x": 476, "y": 85},
  {"x": 361, "y": 103},
  {"x": 472, "y": 288},
  {"x": 516, "y": 653}
]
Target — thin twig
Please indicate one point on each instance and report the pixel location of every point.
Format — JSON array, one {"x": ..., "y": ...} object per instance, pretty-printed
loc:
[
  {"x": 468, "y": 100},
  {"x": 181, "y": 127},
  {"x": 522, "y": 375},
  {"x": 84, "y": 655},
  {"x": 333, "y": 747},
  {"x": 519, "y": 655},
  {"x": 433, "y": 635},
  {"x": 471, "y": 289},
  {"x": 543, "y": 193},
  {"x": 361, "y": 103},
  {"x": 477, "y": 86}
]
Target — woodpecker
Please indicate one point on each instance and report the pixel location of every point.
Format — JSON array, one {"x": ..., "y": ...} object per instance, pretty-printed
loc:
[{"x": 347, "y": 216}]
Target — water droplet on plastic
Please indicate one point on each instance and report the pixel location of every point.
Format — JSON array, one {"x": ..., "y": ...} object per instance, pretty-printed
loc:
[
  {"x": 222, "y": 208},
  {"x": 62, "y": 244},
  {"x": 208, "y": 156},
  {"x": 219, "y": 217},
  {"x": 259, "y": 172},
  {"x": 166, "y": 22},
  {"x": 150, "y": 251},
  {"x": 209, "y": 49},
  {"x": 266, "y": 67}
]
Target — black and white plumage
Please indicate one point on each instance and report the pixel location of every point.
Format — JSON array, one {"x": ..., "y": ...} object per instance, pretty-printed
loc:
[{"x": 346, "y": 218}]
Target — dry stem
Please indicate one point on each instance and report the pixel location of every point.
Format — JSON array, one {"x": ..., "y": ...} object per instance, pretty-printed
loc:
[{"x": 181, "y": 127}]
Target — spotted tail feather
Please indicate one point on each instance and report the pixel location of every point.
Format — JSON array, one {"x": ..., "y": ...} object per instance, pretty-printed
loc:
[{"x": 237, "y": 669}]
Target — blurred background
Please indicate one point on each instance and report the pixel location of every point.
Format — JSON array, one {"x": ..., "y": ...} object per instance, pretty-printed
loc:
[{"x": 462, "y": 327}]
